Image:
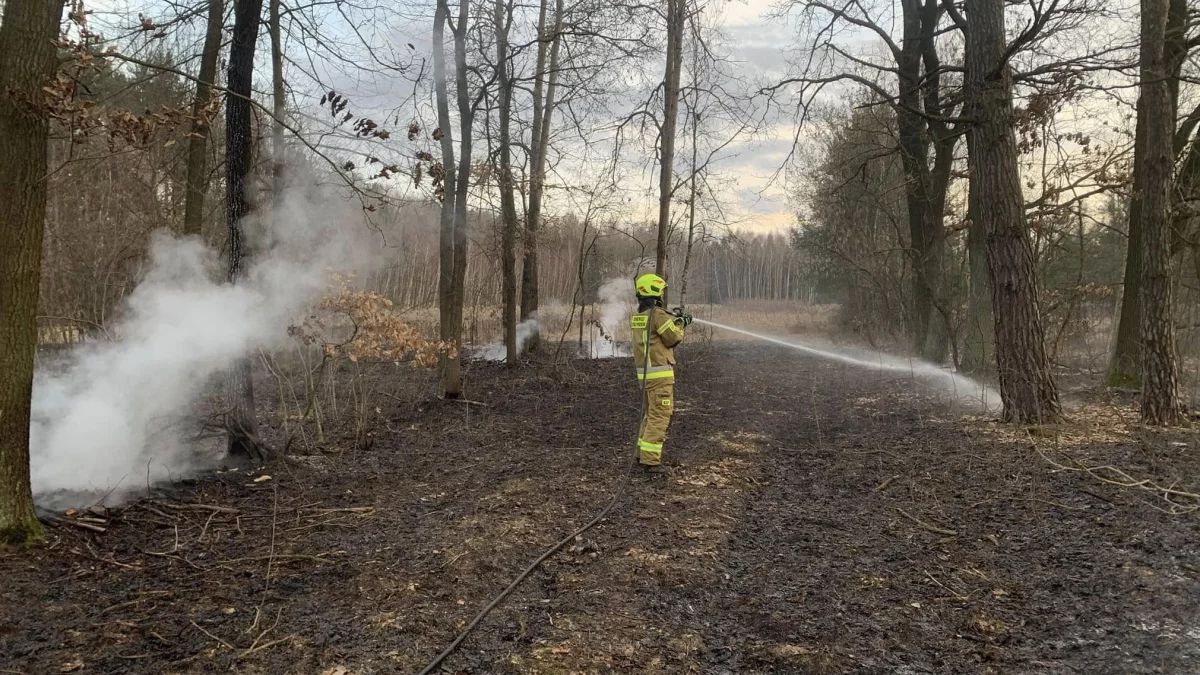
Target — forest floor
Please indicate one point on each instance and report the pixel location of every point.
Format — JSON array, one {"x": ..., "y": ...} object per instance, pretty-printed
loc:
[{"x": 820, "y": 519}]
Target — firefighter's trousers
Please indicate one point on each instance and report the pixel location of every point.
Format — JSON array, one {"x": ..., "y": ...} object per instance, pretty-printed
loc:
[{"x": 659, "y": 405}]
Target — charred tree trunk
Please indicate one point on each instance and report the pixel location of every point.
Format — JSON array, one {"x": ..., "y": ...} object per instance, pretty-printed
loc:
[
  {"x": 27, "y": 61},
  {"x": 197, "y": 169},
  {"x": 1027, "y": 386},
  {"x": 508, "y": 205},
  {"x": 676, "y": 14},
  {"x": 1152, "y": 181},
  {"x": 241, "y": 420}
]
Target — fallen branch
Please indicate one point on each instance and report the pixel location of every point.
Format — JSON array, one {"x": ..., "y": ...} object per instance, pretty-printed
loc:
[
  {"x": 1124, "y": 480},
  {"x": 199, "y": 507},
  {"x": 932, "y": 528},
  {"x": 82, "y": 525}
]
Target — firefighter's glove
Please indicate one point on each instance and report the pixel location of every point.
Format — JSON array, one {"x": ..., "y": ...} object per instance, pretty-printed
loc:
[{"x": 684, "y": 319}]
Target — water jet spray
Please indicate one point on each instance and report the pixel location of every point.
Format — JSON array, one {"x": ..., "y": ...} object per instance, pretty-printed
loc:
[{"x": 961, "y": 387}]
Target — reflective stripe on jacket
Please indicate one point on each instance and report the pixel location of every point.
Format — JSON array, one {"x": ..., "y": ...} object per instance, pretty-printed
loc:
[{"x": 657, "y": 328}]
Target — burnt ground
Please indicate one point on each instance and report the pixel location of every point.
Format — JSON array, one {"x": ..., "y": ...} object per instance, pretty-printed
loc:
[{"x": 823, "y": 519}]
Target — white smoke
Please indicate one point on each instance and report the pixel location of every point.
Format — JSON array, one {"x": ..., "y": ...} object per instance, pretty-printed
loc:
[
  {"x": 109, "y": 423},
  {"x": 496, "y": 351},
  {"x": 616, "y": 304}
]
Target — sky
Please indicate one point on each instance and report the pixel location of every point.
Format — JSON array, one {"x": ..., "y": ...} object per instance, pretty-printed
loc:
[
  {"x": 748, "y": 177},
  {"x": 749, "y": 180}
]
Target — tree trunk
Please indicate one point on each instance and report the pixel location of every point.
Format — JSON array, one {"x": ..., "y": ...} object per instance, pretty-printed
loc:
[
  {"x": 925, "y": 231},
  {"x": 691, "y": 231},
  {"x": 1125, "y": 369},
  {"x": 1027, "y": 386},
  {"x": 448, "y": 360},
  {"x": 453, "y": 255},
  {"x": 241, "y": 419},
  {"x": 543, "y": 112},
  {"x": 508, "y": 205},
  {"x": 279, "y": 99},
  {"x": 466, "y": 119},
  {"x": 676, "y": 14},
  {"x": 979, "y": 344},
  {"x": 197, "y": 169},
  {"x": 1152, "y": 181},
  {"x": 27, "y": 61}
]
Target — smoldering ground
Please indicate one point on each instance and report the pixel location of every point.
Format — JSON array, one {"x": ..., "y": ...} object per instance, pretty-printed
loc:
[{"x": 118, "y": 415}]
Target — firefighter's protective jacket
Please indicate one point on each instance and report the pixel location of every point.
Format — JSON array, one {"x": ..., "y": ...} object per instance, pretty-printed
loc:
[
  {"x": 656, "y": 329},
  {"x": 655, "y": 332}
]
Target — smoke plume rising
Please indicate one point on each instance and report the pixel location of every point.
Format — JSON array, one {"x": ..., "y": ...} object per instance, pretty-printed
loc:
[
  {"x": 616, "y": 304},
  {"x": 112, "y": 419},
  {"x": 496, "y": 351}
]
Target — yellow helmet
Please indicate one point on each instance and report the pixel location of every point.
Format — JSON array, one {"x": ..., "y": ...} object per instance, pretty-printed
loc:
[{"x": 650, "y": 286}]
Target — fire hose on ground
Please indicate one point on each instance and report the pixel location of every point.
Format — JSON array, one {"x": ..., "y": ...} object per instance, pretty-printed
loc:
[{"x": 546, "y": 555}]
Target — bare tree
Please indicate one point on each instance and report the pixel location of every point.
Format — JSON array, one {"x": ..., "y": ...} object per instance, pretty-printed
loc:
[
  {"x": 27, "y": 61},
  {"x": 197, "y": 169},
  {"x": 1152, "y": 184},
  {"x": 1027, "y": 386},
  {"x": 676, "y": 21},
  {"x": 455, "y": 190},
  {"x": 546, "y": 74},
  {"x": 927, "y": 131},
  {"x": 241, "y": 419},
  {"x": 508, "y": 204},
  {"x": 1125, "y": 368},
  {"x": 278, "y": 97}
]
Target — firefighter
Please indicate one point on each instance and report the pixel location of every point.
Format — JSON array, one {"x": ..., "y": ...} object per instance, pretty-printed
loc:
[{"x": 656, "y": 332}]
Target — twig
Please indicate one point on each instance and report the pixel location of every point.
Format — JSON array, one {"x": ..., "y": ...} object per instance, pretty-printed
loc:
[
  {"x": 957, "y": 595},
  {"x": 265, "y": 645},
  {"x": 883, "y": 486},
  {"x": 200, "y": 539},
  {"x": 452, "y": 560},
  {"x": 349, "y": 509},
  {"x": 140, "y": 599},
  {"x": 468, "y": 402},
  {"x": 81, "y": 525},
  {"x": 201, "y": 629},
  {"x": 156, "y": 512},
  {"x": 927, "y": 526},
  {"x": 199, "y": 507},
  {"x": 277, "y": 559},
  {"x": 172, "y": 556}
]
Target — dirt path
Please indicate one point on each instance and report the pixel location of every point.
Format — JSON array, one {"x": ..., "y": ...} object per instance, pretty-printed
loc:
[{"x": 824, "y": 520}]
